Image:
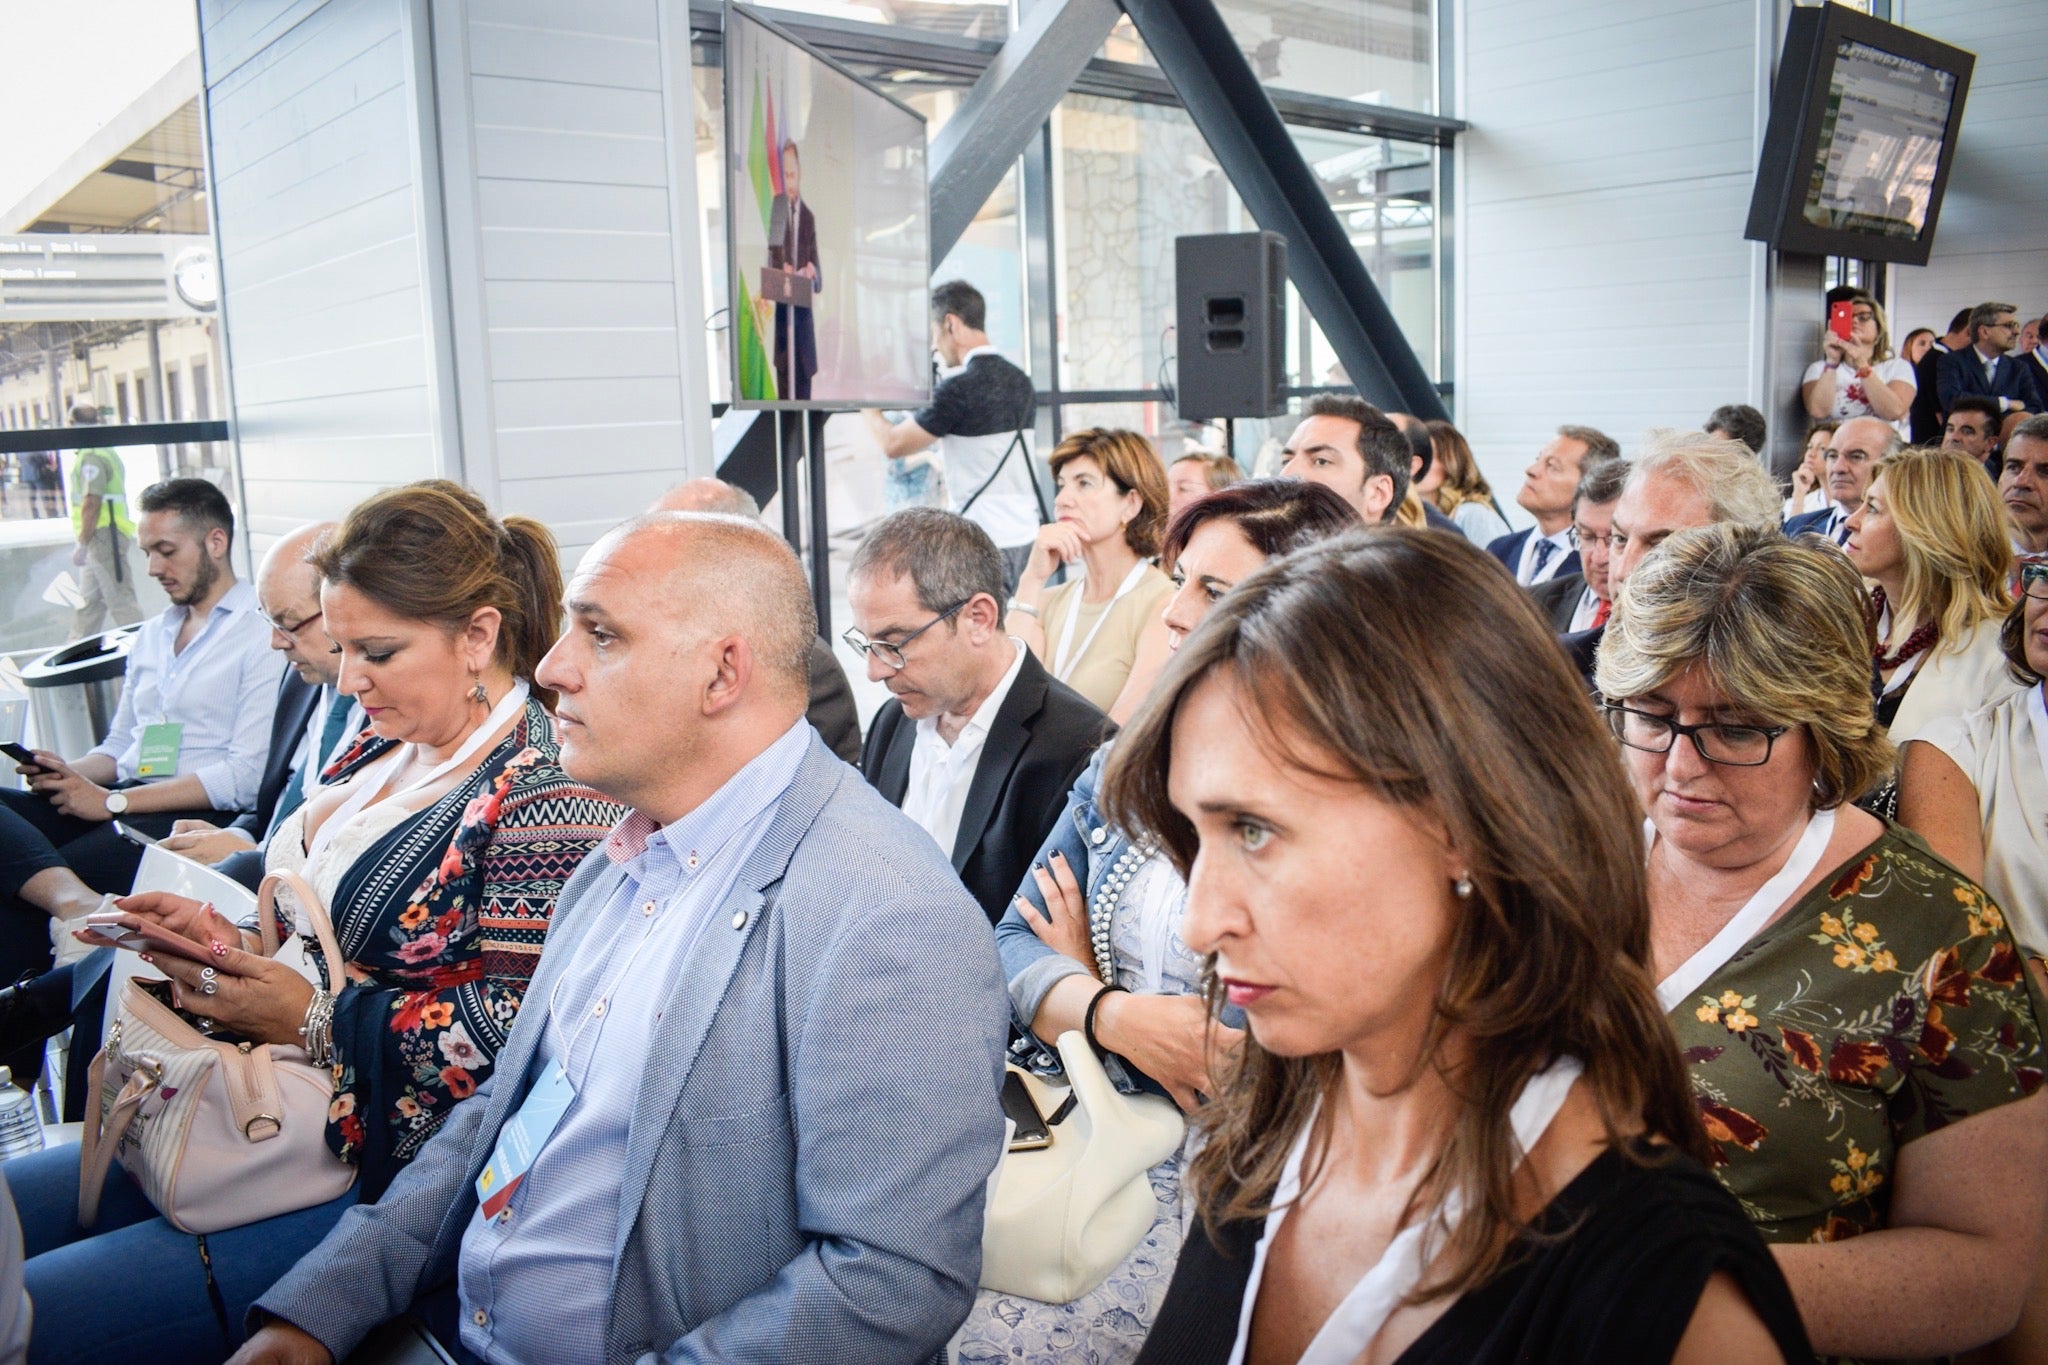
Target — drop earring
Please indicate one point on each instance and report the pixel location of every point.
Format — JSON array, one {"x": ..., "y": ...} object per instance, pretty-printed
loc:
[
  {"x": 477, "y": 693},
  {"x": 1463, "y": 888}
]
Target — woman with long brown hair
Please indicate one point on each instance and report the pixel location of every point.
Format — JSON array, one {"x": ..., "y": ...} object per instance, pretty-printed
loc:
[
  {"x": 1459, "y": 1129},
  {"x": 1453, "y": 482},
  {"x": 438, "y": 841}
]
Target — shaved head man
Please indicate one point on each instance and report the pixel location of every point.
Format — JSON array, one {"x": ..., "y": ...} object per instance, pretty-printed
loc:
[
  {"x": 716, "y": 975},
  {"x": 831, "y": 709}
]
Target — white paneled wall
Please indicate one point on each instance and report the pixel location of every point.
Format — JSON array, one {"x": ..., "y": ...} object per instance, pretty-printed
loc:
[
  {"x": 1602, "y": 276},
  {"x": 561, "y": 217},
  {"x": 1992, "y": 242},
  {"x": 449, "y": 248},
  {"x": 318, "y": 210}
]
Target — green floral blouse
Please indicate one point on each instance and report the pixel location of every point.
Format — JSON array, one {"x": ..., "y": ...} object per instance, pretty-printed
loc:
[{"x": 1891, "y": 1001}]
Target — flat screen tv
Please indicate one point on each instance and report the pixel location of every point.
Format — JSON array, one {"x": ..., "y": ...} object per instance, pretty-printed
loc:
[
  {"x": 1864, "y": 118},
  {"x": 828, "y": 230}
]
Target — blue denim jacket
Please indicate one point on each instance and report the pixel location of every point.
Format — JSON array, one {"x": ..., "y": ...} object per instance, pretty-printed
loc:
[{"x": 1097, "y": 852}]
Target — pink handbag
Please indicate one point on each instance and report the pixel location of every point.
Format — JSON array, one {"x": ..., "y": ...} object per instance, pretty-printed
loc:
[{"x": 217, "y": 1134}]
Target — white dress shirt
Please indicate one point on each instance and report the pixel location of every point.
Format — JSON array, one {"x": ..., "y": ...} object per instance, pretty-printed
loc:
[
  {"x": 536, "y": 1282},
  {"x": 222, "y": 688},
  {"x": 1526, "y": 572},
  {"x": 941, "y": 773},
  {"x": 1583, "y": 614}
]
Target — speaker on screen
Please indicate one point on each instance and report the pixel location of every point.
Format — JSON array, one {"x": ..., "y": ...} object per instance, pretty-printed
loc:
[{"x": 1231, "y": 292}]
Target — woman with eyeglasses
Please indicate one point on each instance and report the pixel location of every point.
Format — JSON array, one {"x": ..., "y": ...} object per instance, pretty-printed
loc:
[
  {"x": 1857, "y": 375},
  {"x": 1852, "y": 1008}
]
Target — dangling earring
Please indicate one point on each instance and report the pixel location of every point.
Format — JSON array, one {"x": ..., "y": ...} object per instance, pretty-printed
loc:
[
  {"x": 477, "y": 693},
  {"x": 1463, "y": 888}
]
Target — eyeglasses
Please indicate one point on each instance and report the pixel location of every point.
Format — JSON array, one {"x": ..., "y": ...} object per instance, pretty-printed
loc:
[
  {"x": 1734, "y": 746},
  {"x": 2034, "y": 581},
  {"x": 891, "y": 652},
  {"x": 283, "y": 629}
]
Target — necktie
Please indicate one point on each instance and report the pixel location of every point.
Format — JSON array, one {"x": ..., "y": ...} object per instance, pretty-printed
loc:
[
  {"x": 1544, "y": 550},
  {"x": 1600, "y": 616},
  {"x": 338, "y": 712},
  {"x": 1839, "y": 532}
]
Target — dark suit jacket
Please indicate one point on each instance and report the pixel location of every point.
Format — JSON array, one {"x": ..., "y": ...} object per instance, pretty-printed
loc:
[
  {"x": 1508, "y": 550},
  {"x": 1816, "y": 522},
  {"x": 1581, "y": 646},
  {"x": 1036, "y": 747},
  {"x": 1962, "y": 372},
  {"x": 831, "y": 711},
  {"x": 1559, "y": 599},
  {"x": 2037, "y": 372},
  {"x": 1924, "y": 416},
  {"x": 295, "y": 698},
  {"x": 806, "y": 345}
]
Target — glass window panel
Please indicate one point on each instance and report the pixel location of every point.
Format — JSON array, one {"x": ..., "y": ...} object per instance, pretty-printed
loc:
[
  {"x": 1372, "y": 51},
  {"x": 988, "y": 19}
]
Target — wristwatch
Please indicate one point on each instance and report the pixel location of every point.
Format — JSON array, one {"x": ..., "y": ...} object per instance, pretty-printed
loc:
[{"x": 117, "y": 803}]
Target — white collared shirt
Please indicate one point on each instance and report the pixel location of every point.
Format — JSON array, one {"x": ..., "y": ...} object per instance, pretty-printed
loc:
[
  {"x": 1526, "y": 572},
  {"x": 222, "y": 688},
  {"x": 941, "y": 773},
  {"x": 1583, "y": 614}
]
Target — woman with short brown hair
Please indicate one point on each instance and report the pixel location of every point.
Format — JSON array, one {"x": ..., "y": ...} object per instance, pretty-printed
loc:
[
  {"x": 1457, "y": 1131},
  {"x": 1853, "y": 1010},
  {"x": 1099, "y": 632}
]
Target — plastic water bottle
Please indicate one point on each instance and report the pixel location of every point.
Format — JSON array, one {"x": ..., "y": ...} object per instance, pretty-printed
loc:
[{"x": 20, "y": 1130}]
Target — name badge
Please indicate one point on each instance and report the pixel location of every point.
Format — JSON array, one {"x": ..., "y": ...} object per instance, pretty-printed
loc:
[
  {"x": 160, "y": 745},
  {"x": 524, "y": 1134}
]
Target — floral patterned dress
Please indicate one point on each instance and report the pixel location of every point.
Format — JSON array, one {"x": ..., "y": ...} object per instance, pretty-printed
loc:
[
  {"x": 441, "y": 920},
  {"x": 1889, "y": 1002}
]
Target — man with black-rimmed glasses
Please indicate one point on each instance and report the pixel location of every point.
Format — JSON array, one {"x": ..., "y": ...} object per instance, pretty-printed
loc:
[{"x": 977, "y": 743}]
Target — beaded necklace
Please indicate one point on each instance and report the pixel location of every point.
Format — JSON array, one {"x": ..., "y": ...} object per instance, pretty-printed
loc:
[{"x": 1919, "y": 642}]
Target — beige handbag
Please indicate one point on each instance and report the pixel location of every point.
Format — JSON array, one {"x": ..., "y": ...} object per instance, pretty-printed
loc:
[
  {"x": 1062, "y": 1217},
  {"x": 218, "y": 1134}
]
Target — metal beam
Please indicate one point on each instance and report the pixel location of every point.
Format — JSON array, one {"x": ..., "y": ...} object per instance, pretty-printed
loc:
[
  {"x": 1002, "y": 113},
  {"x": 1217, "y": 86}
]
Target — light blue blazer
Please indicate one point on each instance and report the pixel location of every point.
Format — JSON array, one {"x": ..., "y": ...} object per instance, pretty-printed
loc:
[{"x": 805, "y": 1170}]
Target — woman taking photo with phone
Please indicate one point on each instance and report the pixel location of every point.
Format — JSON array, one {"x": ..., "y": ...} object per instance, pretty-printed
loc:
[
  {"x": 1459, "y": 1130},
  {"x": 1857, "y": 375}
]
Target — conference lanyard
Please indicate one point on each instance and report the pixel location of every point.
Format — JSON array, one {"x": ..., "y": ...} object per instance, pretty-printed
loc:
[
  {"x": 366, "y": 786},
  {"x": 1751, "y": 918},
  {"x": 1355, "y": 1321},
  {"x": 1064, "y": 663}
]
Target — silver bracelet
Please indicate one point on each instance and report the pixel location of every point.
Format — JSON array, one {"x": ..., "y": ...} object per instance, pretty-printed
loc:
[
  {"x": 318, "y": 1030},
  {"x": 1024, "y": 607}
]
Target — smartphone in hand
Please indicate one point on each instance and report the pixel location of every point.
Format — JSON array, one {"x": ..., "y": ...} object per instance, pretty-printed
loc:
[
  {"x": 135, "y": 836},
  {"x": 23, "y": 755},
  {"x": 1841, "y": 318},
  {"x": 125, "y": 930}
]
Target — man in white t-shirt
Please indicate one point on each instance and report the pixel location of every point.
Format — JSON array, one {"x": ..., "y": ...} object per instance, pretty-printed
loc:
[{"x": 980, "y": 416}]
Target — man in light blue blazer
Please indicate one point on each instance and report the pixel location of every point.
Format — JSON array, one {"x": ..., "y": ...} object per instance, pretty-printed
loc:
[{"x": 749, "y": 1109}]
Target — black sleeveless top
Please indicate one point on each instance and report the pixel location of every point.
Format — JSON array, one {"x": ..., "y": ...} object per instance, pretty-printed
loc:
[{"x": 1620, "y": 1285}]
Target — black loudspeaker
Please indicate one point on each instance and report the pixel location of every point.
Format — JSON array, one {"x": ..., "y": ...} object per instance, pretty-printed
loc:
[{"x": 1232, "y": 294}]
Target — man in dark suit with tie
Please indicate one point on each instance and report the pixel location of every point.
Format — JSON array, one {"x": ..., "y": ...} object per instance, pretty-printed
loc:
[
  {"x": 2033, "y": 355},
  {"x": 793, "y": 249},
  {"x": 1853, "y": 452},
  {"x": 1550, "y": 485},
  {"x": 977, "y": 744},
  {"x": 312, "y": 724},
  {"x": 1924, "y": 417},
  {"x": 1985, "y": 367}
]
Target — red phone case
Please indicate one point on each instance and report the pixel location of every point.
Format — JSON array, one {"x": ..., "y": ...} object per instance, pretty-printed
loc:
[{"x": 1841, "y": 318}]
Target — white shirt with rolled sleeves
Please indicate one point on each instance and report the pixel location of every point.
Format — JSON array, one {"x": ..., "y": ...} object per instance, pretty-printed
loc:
[{"x": 222, "y": 689}]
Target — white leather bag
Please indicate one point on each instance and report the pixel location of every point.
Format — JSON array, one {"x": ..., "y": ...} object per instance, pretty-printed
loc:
[
  {"x": 1062, "y": 1217},
  {"x": 217, "y": 1134}
]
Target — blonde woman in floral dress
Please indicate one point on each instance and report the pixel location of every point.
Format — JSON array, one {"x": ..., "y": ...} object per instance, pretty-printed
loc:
[{"x": 1853, "y": 1009}]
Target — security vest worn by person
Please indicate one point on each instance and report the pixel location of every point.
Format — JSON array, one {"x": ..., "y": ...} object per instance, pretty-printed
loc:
[{"x": 107, "y": 468}]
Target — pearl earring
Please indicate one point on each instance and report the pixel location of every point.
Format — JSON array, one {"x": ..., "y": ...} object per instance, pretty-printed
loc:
[{"x": 1463, "y": 888}]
